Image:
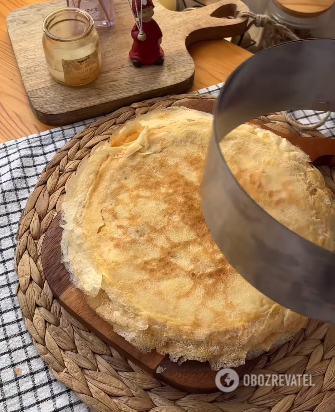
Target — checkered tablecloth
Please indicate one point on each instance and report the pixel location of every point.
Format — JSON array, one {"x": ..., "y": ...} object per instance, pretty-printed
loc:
[{"x": 26, "y": 383}]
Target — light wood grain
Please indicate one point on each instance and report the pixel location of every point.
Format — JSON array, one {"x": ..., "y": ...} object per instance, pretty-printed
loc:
[
  {"x": 16, "y": 117},
  {"x": 305, "y": 8},
  {"x": 214, "y": 61}
]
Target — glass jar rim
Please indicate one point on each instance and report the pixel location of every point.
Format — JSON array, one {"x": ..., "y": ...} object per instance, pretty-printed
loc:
[{"x": 48, "y": 19}]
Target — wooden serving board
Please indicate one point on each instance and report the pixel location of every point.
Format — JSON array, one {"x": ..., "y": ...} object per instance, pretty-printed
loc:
[
  {"x": 120, "y": 83},
  {"x": 191, "y": 376}
]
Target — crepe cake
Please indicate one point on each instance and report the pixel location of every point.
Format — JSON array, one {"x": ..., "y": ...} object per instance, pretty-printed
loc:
[{"x": 136, "y": 243}]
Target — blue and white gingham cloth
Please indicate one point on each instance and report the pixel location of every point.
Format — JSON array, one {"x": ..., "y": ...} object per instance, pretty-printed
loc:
[{"x": 21, "y": 163}]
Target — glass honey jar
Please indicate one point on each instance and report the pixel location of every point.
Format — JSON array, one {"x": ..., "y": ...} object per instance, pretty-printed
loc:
[
  {"x": 71, "y": 47},
  {"x": 306, "y": 19}
]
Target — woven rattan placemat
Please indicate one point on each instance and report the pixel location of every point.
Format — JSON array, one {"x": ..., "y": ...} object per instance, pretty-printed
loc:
[{"x": 100, "y": 376}]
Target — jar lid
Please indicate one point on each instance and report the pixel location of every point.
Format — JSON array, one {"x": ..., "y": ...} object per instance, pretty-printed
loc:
[{"x": 305, "y": 8}]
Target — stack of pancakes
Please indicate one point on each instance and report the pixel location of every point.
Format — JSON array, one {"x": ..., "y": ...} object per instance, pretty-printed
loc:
[{"x": 136, "y": 243}]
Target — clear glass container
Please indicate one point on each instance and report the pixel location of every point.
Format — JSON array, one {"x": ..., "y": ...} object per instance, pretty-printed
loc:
[
  {"x": 302, "y": 26},
  {"x": 329, "y": 31},
  {"x": 256, "y": 6},
  {"x": 252, "y": 39},
  {"x": 102, "y": 11},
  {"x": 71, "y": 47}
]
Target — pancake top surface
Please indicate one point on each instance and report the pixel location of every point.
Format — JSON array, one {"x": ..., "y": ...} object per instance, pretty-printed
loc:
[{"x": 137, "y": 244}]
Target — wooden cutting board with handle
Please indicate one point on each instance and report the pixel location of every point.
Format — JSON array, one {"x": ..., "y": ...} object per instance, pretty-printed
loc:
[
  {"x": 120, "y": 83},
  {"x": 190, "y": 376}
]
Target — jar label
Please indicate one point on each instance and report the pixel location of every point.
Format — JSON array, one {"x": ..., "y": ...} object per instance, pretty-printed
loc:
[{"x": 81, "y": 71}]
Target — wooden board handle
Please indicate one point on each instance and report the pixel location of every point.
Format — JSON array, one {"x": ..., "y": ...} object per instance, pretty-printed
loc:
[
  {"x": 211, "y": 22},
  {"x": 223, "y": 9}
]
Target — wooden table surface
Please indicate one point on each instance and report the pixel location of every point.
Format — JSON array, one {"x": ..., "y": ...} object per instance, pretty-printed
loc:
[{"x": 214, "y": 61}]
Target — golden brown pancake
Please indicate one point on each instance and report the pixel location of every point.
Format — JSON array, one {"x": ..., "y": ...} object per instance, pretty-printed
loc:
[{"x": 136, "y": 243}]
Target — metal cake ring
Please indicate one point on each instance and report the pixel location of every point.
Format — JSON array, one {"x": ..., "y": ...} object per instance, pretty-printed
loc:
[{"x": 279, "y": 263}]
